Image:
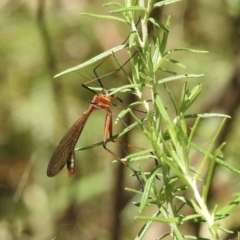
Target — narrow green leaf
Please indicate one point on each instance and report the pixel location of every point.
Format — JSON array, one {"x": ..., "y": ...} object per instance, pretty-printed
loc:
[
  {"x": 229, "y": 208},
  {"x": 206, "y": 115},
  {"x": 194, "y": 237},
  {"x": 209, "y": 176},
  {"x": 176, "y": 63},
  {"x": 225, "y": 230},
  {"x": 104, "y": 17},
  {"x": 110, "y": 4},
  {"x": 127, "y": 9},
  {"x": 204, "y": 161},
  {"x": 192, "y": 96},
  {"x": 124, "y": 88},
  {"x": 167, "y": 71},
  {"x": 159, "y": 24},
  {"x": 174, "y": 78},
  {"x": 159, "y": 63},
  {"x": 157, "y": 54},
  {"x": 148, "y": 188},
  {"x": 143, "y": 154},
  {"x": 91, "y": 61},
  {"x": 166, "y": 2},
  {"x": 162, "y": 220},
  {"x": 186, "y": 49},
  {"x": 163, "y": 111},
  {"x": 183, "y": 99},
  {"x": 172, "y": 98},
  {"x": 165, "y": 36},
  {"x": 218, "y": 160},
  {"x": 133, "y": 191},
  {"x": 192, "y": 132},
  {"x": 189, "y": 98},
  {"x": 146, "y": 226}
]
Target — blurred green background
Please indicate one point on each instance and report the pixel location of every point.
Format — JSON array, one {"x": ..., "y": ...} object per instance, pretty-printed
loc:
[{"x": 42, "y": 38}]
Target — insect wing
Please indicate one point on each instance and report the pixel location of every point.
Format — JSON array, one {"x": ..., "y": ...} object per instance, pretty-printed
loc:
[{"x": 64, "y": 150}]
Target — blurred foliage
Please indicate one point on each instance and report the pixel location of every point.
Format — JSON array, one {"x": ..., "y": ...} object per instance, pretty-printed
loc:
[{"x": 42, "y": 38}]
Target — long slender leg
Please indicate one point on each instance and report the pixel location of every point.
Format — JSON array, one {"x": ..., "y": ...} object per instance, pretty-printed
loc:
[
  {"x": 108, "y": 131},
  {"x": 105, "y": 75}
]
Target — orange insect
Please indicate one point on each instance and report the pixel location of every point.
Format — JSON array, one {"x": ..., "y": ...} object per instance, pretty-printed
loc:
[{"x": 64, "y": 153}]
